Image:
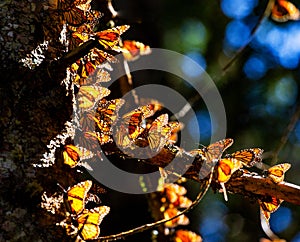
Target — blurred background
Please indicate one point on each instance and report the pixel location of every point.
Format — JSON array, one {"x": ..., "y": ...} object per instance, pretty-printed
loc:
[{"x": 260, "y": 91}]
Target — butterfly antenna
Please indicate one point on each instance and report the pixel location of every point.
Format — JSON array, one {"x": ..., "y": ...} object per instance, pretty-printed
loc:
[{"x": 61, "y": 187}]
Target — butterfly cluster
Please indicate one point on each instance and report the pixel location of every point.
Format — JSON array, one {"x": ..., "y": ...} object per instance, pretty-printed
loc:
[
  {"x": 172, "y": 199},
  {"x": 82, "y": 222}
]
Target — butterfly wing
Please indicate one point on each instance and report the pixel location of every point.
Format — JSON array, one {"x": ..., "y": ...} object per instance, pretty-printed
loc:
[
  {"x": 71, "y": 155},
  {"x": 89, "y": 95},
  {"x": 283, "y": 11},
  {"x": 76, "y": 196},
  {"x": 110, "y": 37},
  {"x": 214, "y": 151},
  {"x": 276, "y": 173},
  {"x": 89, "y": 221},
  {"x": 269, "y": 205},
  {"x": 247, "y": 156}
]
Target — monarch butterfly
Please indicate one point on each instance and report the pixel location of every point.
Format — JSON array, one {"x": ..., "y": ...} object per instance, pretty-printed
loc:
[
  {"x": 225, "y": 167},
  {"x": 160, "y": 132},
  {"x": 72, "y": 155},
  {"x": 134, "y": 49},
  {"x": 89, "y": 221},
  {"x": 89, "y": 95},
  {"x": 71, "y": 13},
  {"x": 283, "y": 11},
  {"x": 130, "y": 126},
  {"x": 106, "y": 114},
  {"x": 276, "y": 173},
  {"x": 110, "y": 37},
  {"x": 86, "y": 66},
  {"x": 214, "y": 151},
  {"x": 76, "y": 196},
  {"x": 269, "y": 205},
  {"x": 182, "y": 235},
  {"x": 181, "y": 220},
  {"x": 247, "y": 156}
]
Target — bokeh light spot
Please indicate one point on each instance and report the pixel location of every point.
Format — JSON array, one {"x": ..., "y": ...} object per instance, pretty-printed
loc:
[
  {"x": 188, "y": 69},
  {"x": 238, "y": 8},
  {"x": 255, "y": 67},
  {"x": 237, "y": 34}
]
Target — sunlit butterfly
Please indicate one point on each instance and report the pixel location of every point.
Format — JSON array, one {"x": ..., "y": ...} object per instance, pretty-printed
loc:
[
  {"x": 269, "y": 205},
  {"x": 182, "y": 235},
  {"x": 276, "y": 173},
  {"x": 71, "y": 13},
  {"x": 225, "y": 167},
  {"x": 76, "y": 196},
  {"x": 181, "y": 220},
  {"x": 134, "y": 49},
  {"x": 283, "y": 11},
  {"x": 160, "y": 132},
  {"x": 214, "y": 151},
  {"x": 248, "y": 157},
  {"x": 107, "y": 113},
  {"x": 110, "y": 37},
  {"x": 86, "y": 66},
  {"x": 131, "y": 125},
  {"x": 89, "y": 221},
  {"x": 73, "y": 154},
  {"x": 88, "y": 96}
]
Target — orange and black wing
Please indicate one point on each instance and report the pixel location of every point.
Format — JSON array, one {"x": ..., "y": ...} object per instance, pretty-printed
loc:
[
  {"x": 76, "y": 196},
  {"x": 283, "y": 11},
  {"x": 247, "y": 156},
  {"x": 89, "y": 221}
]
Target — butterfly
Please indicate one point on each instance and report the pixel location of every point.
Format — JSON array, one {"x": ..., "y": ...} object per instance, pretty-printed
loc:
[
  {"x": 76, "y": 196},
  {"x": 101, "y": 137},
  {"x": 71, "y": 13},
  {"x": 214, "y": 151},
  {"x": 248, "y": 157},
  {"x": 225, "y": 168},
  {"x": 269, "y": 205},
  {"x": 130, "y": 125},
  {"x": 134, "y": 49},
  {"x": 276, "y": 173},
  {"x": 182, "y": 235},
  {"x": 283, "y": 11},
  {"x": 106, "y": 114},
  {"x": 160, "y": 132},
  {"x": 89, "y": 95},
  {"x": 181, "y": 220},
  {"x": 89, "y": 220},
  {"x": 110, "y": 37},
  {"x": 85, "y": 67},
  {"x": 73, "y": 154}
]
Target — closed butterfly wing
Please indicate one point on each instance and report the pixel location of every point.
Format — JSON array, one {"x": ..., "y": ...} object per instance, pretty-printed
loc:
[
  {"x": 89, "y": 95},
  {"x": 214, "y": 151},
  {"x": 247, "y": 156},
  {"x": 71, "y": 155},
  {"x": 89, "y": 221},
  {"x": 283, "y": 11},
  {"x": 134, "y": 49},
  {"x": 276, "y": 173},
  {"x": 76, "y": 196},
  {"x": 110, "y": 37}
]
